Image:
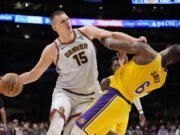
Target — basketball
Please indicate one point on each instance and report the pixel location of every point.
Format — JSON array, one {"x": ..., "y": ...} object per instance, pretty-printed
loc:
[{"x": 11, "y": 85}]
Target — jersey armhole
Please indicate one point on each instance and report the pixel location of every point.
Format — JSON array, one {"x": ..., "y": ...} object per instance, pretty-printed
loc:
[
  {"x": 58, "y": 51},
  {"x": 86, "y": 36}
]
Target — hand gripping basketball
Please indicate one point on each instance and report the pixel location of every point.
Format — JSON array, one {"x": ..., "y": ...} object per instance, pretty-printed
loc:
[{"x": 11, "y": 85}]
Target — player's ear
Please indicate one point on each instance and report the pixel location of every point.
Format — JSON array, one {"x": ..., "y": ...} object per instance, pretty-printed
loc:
[{"x": 53, "y": 27}]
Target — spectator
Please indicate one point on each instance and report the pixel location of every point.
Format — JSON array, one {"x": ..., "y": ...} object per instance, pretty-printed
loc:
[
  {"x": 138, "y": 131},
  {"x": 130, "y": 130},
  {"x": 146, "y": 131},
  {"x": 163, "y": 131},
  {"x": 25, "y": 132},
  {"x": 13, "y": 130},
  {"x": 46, "y": 126},
  {"x": 35, "y": 129},
  {"x": 153, "y": 130},
  {"x": 17, "y": 128},
  {"x": 42, "y": 130},
  {"x": 178, "y": 130},
  {"x": 26, "y": 128}
]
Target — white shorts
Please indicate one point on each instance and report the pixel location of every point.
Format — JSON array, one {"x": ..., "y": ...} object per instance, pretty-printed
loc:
[{"x": 71, "y": 103}]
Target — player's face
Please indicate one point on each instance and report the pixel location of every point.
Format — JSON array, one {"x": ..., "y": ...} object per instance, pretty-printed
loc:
[
  {"x": 115, "y": 65},
  {"x": 62, "y": 23}
]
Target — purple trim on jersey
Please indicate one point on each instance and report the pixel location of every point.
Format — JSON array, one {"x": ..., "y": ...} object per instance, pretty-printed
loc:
[
  {"x": 163, "y": 65},
  {"x": 115, "y": 91},
  {"x": 97, "y": 107}
]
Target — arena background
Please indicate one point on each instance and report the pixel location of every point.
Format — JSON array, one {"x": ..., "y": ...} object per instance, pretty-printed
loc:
[{"x": 21, "y": 45}]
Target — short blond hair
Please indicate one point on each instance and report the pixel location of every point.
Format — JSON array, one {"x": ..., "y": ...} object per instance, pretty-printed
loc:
[{"x": 58, "y": 12}]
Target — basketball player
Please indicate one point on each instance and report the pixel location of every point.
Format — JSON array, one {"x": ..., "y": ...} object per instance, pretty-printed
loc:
[
  {"x": 117, "y": 62},
  {"x": 144, "y": 73},
  {"x": 74, "y": 55}
]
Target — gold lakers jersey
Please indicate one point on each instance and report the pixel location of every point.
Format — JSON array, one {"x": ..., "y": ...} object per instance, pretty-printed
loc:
[
  {"x": 110, "y": 78},
  {"x": 134, "y": 80}
]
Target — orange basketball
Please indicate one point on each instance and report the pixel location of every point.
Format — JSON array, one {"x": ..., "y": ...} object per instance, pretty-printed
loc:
[{"x": 11, "y": 85}]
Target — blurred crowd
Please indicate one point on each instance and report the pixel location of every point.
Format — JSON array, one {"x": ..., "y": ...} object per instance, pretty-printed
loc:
[
  {"x": 26, "y": 128},
  {"x": 152, "y": 129},
  {"x": 40, "y": 128}
]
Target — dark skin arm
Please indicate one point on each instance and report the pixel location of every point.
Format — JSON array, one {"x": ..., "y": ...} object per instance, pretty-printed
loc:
[
  {"x": 144, "y": 54},
  {"x": 105, "y": 83}
]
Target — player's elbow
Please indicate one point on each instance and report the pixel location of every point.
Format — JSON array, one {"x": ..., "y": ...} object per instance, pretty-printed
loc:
[
  {"x": 140, "y": 46},
  {"x": 107, "y": 42}
]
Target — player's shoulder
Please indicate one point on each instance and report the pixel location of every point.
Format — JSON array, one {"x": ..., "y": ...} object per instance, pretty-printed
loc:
[
  {"x": 87, "y": 28},
  {"x": 110, "y": 77},
  {"x": 50, "y": 48},
  {"x": 106, "y": 79}
]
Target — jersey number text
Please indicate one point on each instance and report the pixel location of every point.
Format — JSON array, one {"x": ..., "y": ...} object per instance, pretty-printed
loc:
[{"x": 80, "y": 58}]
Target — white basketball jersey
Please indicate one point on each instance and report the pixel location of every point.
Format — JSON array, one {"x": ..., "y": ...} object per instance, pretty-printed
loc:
[{"x": 77, "y": 65}]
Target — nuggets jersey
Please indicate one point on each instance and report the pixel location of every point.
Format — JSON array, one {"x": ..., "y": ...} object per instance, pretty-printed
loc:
[
  {"x": 77, "y": 65},
  {"x": 134, "y": 80}
]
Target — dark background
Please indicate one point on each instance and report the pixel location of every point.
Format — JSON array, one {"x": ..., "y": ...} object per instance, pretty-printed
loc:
[{"x": 18, "y": 54}]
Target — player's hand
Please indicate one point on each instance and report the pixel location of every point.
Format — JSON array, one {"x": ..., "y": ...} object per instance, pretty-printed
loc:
[
  {"x": 142, "y": 119},
  {"x": 142, "y": 39},
  {"x": 121, "y": 56}
]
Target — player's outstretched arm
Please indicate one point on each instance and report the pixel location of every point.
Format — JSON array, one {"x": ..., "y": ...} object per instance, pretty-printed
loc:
[
  {"x": 138, "y": 106},
  {"x": 48, "y": 57},
  {"x": 98, "y": 33},
  {"x": 136, "y": 48}
]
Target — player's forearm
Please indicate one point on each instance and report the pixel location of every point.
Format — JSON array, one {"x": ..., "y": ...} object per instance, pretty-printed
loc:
[
  {"x": 138, "y": 105},
  {"x": 123, "y": 37},
  {"x": 28, "y": 77},
  {"x": 117, "y": 45}
]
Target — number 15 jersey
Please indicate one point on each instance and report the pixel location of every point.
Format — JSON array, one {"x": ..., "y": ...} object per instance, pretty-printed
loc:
[
  {"x": 134, "y": 80},
  {"x": 77, "y": 65}
]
